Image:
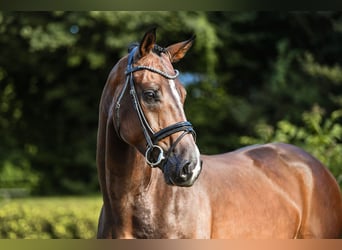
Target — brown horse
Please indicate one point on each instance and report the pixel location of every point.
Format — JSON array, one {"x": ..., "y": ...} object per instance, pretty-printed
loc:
[{"x": 155, "y": 184}]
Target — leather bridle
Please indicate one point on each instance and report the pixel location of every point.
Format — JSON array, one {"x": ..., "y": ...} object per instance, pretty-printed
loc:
[{"x": 152, "y": 138}]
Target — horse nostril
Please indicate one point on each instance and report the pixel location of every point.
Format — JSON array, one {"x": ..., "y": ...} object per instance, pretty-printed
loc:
[{"x": 186, "y": 169}]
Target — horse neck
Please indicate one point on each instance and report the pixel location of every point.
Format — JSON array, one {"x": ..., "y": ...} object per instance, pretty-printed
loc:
[
  {"x": 128, "y": 172},
  {"x": 122, "y": 169}
]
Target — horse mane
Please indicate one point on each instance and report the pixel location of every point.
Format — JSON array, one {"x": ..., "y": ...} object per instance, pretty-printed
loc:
[{"x": 156, "y": 49}]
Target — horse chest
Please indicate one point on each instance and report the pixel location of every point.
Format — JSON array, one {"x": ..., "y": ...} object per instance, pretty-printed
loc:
[
  {"x": 164, "y": 217},
  {"x": 152, "y": 222}
]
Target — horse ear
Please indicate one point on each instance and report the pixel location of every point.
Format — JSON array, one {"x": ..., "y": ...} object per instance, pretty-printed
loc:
[
  {"x": 147, "y": 43},
  {"x": 177, "y": 51}
]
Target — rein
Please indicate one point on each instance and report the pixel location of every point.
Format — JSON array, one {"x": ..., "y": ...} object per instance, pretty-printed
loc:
[{"x": 152, "y": 138}]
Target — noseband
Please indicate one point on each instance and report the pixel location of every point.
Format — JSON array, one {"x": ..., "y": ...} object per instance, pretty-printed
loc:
[{"x": 152, "y": 138}]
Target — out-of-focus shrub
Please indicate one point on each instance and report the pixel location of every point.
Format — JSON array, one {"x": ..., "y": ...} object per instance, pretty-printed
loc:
[{"x": 49, "y": 218}]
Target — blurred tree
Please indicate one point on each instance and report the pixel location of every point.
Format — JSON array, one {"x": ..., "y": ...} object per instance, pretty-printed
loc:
[
  {"x": 246, "y": 69},
  {"x": 263, "y": 71},
  {"x": 53, "y": 67}
]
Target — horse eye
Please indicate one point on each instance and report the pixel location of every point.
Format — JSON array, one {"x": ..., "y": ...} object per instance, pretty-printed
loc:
[{"x": 150, "y": 95}]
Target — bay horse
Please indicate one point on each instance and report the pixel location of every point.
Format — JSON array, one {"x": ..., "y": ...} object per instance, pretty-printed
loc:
[{"x": 155, "y": 183}]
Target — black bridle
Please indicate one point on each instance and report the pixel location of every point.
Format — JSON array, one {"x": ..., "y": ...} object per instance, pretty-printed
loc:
[{"x": 152, "y": 138}]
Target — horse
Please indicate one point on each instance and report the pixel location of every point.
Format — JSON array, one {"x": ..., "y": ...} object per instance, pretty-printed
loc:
[{"x": 156, "y": 184}]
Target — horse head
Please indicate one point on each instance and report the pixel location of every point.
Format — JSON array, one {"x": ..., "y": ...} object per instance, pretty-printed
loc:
[{"x": 151, "y": 117}]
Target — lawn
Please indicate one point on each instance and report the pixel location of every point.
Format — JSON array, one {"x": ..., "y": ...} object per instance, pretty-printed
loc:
[{"x": 49, "y": 217}]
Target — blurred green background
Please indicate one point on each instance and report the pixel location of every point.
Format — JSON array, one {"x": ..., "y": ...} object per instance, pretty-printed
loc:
[{"x": 251, "y": 77}]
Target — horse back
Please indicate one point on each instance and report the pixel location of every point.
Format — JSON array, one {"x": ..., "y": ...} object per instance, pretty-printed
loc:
[{"x": 276, "y": 182}]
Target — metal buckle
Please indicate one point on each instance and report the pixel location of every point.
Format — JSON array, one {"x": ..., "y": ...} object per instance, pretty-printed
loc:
[{"x": 148, "y": 155}]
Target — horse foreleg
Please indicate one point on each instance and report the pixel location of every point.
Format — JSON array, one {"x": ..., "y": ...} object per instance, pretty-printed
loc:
[{"x": 104, "y": 230}]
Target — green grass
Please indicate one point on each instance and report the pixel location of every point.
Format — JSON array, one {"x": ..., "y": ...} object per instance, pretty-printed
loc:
[{"x": 49, "y": 217}]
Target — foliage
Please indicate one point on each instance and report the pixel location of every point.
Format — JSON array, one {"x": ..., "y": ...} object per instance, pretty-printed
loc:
[
  {"x": 52, "y": 70},
  {"x": 17, "y": 175},
  {"x": 272, "y": 66},
  {"x": 49, "y": 218},
  {"x": 246, "y": 69}
]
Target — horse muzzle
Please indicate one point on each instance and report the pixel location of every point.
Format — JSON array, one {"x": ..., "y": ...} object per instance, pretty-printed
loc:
[{"x": 180, "y": 172}]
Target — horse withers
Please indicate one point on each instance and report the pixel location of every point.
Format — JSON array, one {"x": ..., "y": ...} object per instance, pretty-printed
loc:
[{"x": 155, "y": 183}]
